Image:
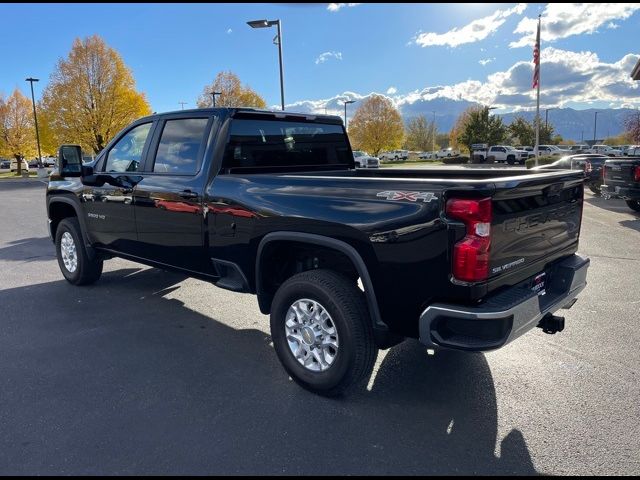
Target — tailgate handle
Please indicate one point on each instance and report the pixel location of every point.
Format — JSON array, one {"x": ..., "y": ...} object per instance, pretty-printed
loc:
[{"x": 554, "y": 190}]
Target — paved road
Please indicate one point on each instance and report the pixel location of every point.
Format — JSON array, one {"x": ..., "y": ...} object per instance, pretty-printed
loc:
[{"x": 148, "y": 372}]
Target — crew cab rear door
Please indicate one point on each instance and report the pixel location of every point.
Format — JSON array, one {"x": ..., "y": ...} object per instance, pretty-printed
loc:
[{"x": 168, "y": 199}]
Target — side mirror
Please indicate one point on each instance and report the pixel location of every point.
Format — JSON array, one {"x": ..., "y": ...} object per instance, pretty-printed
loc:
[{"x": 70, "y": 160}]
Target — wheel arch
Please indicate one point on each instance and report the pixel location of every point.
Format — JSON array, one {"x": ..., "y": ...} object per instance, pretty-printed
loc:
[
  {"x": 271, "y": 239},
  {"x": 61, "y": 207}
]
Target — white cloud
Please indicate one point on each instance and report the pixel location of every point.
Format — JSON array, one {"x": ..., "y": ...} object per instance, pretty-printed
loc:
[
  {"x": 562, "y": 20},
  {"x": 475, "y": 31},
  {"x": 567, "y": 77},
  {"x": 334, "y": 7},
  {"x": 485, "y": 61},
  {"x": 323, "y": 57},
  {"x": 392, "y": 90},
  {"x": 229, "y": 31}
]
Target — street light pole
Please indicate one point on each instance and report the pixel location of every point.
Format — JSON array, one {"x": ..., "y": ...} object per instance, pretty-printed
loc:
[
  {"x": 182, "y": 104},
  {"x": 213, "y": 97},
  {"x": 346, "y": 102},
  {"x": 595, "y": 126},
  {"x": 278, "y": 24},
  {"x": 281, "y": 67},
  {"x": 433, "y": 134},
  {"x": 546, "y": 118},
  {"x": 35, "y": 117}
]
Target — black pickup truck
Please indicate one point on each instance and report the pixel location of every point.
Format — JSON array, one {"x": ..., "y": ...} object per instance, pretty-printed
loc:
[
  {"x": 622, "y": 180},
  {"x": 345, "y": 261}
]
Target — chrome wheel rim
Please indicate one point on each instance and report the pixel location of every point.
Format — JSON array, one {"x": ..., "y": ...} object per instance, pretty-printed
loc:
[
  {"x": 68, "y": 252},
  {"x": 311, "y": 335}
]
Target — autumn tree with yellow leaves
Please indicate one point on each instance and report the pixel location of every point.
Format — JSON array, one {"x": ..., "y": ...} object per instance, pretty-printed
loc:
[
  {"x": 376, "y": 125},
  {"x": 232, "y": 93},
  {"x": 17, "y": 130},
  {"x": 91, "y": 96}
]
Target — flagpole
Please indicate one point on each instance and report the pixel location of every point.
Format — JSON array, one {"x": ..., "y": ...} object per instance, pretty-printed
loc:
[{"x": 538, "y": 100}]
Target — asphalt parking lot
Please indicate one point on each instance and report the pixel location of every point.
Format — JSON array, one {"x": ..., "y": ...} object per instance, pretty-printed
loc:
[{"x": 147, "y": 372}]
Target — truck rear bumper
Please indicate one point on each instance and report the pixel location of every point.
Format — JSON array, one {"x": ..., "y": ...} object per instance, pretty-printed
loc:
[
  {"x": 621, "y": 192},
  {"x": 505, "y": 316}
]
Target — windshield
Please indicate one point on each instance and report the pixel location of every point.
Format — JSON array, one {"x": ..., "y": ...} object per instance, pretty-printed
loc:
[{"x": 358, "y": 153}]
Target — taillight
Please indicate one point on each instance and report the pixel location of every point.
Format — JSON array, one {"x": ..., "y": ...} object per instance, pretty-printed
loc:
[
  {"x": 636, "y": 174},
  {"x": 471, "y": 254}
]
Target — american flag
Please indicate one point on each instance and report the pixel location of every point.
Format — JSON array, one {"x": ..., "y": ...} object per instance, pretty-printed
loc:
[{"x": 536, "y": 59}]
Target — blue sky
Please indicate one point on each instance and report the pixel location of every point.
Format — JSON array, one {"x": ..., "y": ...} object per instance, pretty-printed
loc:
[{"x": 415, "y": 53}]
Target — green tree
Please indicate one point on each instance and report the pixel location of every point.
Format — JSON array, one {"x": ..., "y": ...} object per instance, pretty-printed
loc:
[
  {"x": 91, "y": 95},
  {"x": 522, "y": 132},
  {"x": 376, "y": 125},
  {"x": 477, "y": 126},
  {"x": 232, "y": 93},
  {"x": 17, "y": 130},
  {"x": 420, "y": 134}
]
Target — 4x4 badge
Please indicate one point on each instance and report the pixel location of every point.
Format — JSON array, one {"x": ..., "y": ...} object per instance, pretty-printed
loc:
[{"x": 411, "y": 196}]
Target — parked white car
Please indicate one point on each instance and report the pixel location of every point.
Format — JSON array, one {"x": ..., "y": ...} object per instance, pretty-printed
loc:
[
  {"x": 447, "y": 152},
  {"x": 582, "y": 148},
  {"x": 605, "y": 150},
  {"x": 501, "y": 154},
  {"x": 633, "y": 151},
  {"x": 14, "y": 166},
  {"x": 394, "y": 155},
  {"x": 553, "y": 150},
  {"x": 364, "y": 160},
  {"x": 425, "y": 155}
]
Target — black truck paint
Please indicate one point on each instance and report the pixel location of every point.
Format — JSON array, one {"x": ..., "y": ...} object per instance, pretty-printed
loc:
[
  {"x": 249, "y": 221},
  {"x": 622, "y": 180}
]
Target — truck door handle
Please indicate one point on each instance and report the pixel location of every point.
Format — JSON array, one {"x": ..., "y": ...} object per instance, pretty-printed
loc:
[{"x": 188, "y": 194}]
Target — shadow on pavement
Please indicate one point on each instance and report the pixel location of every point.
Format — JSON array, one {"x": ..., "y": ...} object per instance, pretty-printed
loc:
[
  {"x": 633, "y": 224},
  {"x": 613, "y": 205},
  {"x": 28, "y": 249},
  {"x": 21, "y": 184},
  {"x": 116, "y": 378}
]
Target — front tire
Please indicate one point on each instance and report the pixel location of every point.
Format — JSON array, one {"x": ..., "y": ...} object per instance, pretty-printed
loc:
[
  {"x": 634, "y": 205},
  {"x": 322, "y": 332},
  {"x": 73, "y": 259}
]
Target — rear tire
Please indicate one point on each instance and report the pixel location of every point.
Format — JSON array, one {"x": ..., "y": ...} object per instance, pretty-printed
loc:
[
  {"x": 356, "y": 350},
  {"x": 634, "y": 205},
  {"x": 75, "y": 264},
  {"x": 595, "y": 189}
]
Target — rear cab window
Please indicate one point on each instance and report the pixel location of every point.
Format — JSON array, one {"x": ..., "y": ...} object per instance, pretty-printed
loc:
[
  {"x": 181, "y": 145},
  {"x": 256, "y": 144}
]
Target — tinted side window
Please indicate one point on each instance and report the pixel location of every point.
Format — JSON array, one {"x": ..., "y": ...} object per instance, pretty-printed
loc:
[
  {"x": 126, "y": 155},
  {"x": 281, "y": 143},
  {"x": 179, "y": 150}
]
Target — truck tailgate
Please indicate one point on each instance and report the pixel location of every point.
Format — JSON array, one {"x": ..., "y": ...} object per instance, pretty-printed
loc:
[
  {"x": 621, "y": 173},
  {"x": 534, "y": 219}
]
